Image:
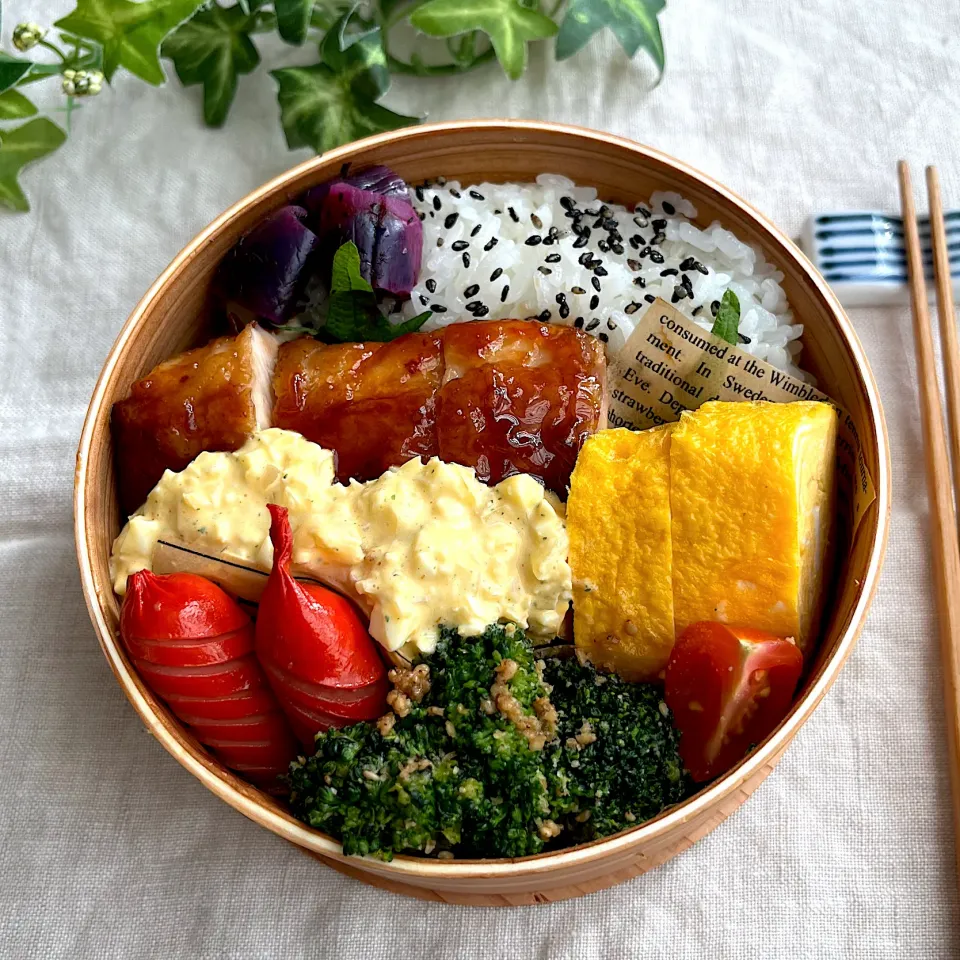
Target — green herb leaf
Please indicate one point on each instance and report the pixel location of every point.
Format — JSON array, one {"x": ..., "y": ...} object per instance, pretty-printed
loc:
[
  {"x": 11, "y": 70},
  {"x": 509, "y": 25},
  {"x": 293, "y": 17},
  {"x": 130, "y": 33},
  {"x": 213, "y": 48},
  {"x": 334, "y": 101},
  {"x": 14, "y": 106},
  {"x": 21, "y": 146},
  {"x": 352, "y": 313},
  {"x": 727, "y": 323},
  {"x": 633, "y": 22}
]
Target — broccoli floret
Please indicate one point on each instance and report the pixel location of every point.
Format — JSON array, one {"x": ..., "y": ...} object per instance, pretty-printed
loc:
[
  {"x": 615, "y": 762},
  {"x": 491, "y": 763},
  {"x": 450, "y": 773}
]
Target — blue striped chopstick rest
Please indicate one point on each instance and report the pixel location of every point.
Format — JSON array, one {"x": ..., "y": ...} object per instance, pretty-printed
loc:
[{"x": 861, "y": 254}]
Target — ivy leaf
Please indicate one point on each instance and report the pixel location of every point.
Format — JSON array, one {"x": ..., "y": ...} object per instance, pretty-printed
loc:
[
  {"x": 293, "y": 17},
  {"x": 130, "y": 33},
  {"x": 352, "y": 313},
  {"x": 213, "y": 48},
  {"x": 334, "y": 101},
  {"x": 11, "y": 70},
  {"x": 633, "y": 22},
  {"x": 727, "y": 323},
  {"x": 23, "y": 145},
  {"x": 14, "y": 106},
  {"x": 509, "y": 24}
]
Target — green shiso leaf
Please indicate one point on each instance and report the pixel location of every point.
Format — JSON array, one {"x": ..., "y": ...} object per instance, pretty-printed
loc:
[
  {"x": 727, "y": 323},
  {"x": 15, "y": 106},
  {"x": 130, "y": 33},
  {"x": 21, "y": 146},
  {"x": 633, "y": 22},
  {"x": 352, "y": 313},
  {"x": 334, "y": 101},
  {"x": 213, "y": 48},
  {"x": 509, "y": 24}
]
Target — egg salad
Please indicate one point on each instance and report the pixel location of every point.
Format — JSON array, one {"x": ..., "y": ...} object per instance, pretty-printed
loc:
[{"x": 425, "y": 544}]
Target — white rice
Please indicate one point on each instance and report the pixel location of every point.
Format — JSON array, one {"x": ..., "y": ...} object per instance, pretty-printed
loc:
[{"x": 533, "y": 282}]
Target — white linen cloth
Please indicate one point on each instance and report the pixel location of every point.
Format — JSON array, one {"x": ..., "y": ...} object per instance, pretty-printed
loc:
[{"x": 110, "y": 849}]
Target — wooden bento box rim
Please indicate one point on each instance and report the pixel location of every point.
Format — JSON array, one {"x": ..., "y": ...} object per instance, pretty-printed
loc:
[{"x": 421, "y": 871}]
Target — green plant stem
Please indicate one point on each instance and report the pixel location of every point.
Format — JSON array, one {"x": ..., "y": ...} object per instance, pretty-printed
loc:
[
  {"x": 554, "y": 10},
  {"x": 54, "y": 48}
]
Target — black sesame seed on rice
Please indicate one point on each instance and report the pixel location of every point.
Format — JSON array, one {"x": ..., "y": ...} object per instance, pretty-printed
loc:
[
  {"x": 476, "y": 229},
  {"x": 678, "y": 295},
  {"x": 466, "y": 259},
  {"x": 581, "y": 241},
  {"x": 669, "y": 272},
  {"x": 642, "y": 210},
  {"x": 423, "y": 300},
  {"x": 578, "y": 322},
  {"x": 561, "y": 298},
  {"x": 715, "y": 307},
  {"x": 641, "y": 223},
  {"x": 554, "y": 232},
  {"x": 436, "y": 202},
  {"x": 536, "y": 221},
  {"x": 611, "y": 325},
  {"x": 564, "y": 311},
  {"x": 696, "y": 310},
  {"x": 598, "y": 223},
  {"x": 577, "y": 290},
  {"x": 513, "y": 215},
  {"x": 687, "y": 264},
  {"x": 668, "y": 208},
  {"x": 743, "y": 338},
  {"x": 599, "y": 269},
  {"x": 454, "y": 193},
  {"x": 585, "y": 258},
  {"x": 476, "y": 195},
  {"x": 490, "y": 244},
  {"x": 472, "y": 290},
  {"x": 438, "y": 308},
  {"x": 441, "y": 181},
  {"x": 459, "y": 245},
  {"x": 656, "y": 256},
  {"x": 533, "y": 240},
  {"x": 658, "y": 238},
  {"x": 640, "y": 282},
  {"x": 602, "y": 337},
  {"x": 504, "y": 292},
  {"x": 632, "y": 307},
  {"x": 549, "y": 241},
  {"x": 473, "y": 305},
  {"x": 603, "y": 246},
  {"x": 439, "y": 241},
  {"x": 700, "y": 268},
  {"x": 431, "y": 285},
  {"x": 450, "y": 220},
  {"x": 481, "y": 311},
  {"x": 687, "y": 286},
  {"x": 497, "y": 213},
  {"x": 594, "y": 301},
  {"x": 649, "y": 297},
  {"x": 546, "y": 271},
  {"x": 617, "y": 248},
  {"x": 553, "y": 258},
  {"x": 659, "y": 225},
  {"x": 545, "y": 316},
  {"x": 595, "y": 283},
  {"x": 568, "y": 203},
  {"x": 419, "y": 192},
  {"x": 634, "y": 264},
  {"x": 496, "y": 273},
  {"x": 593, "y": 324}
]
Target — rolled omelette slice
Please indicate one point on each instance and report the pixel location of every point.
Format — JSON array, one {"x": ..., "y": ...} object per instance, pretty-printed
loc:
[
  {"x": 618, "y": 524},
  {"x": 752, "y": 507}
]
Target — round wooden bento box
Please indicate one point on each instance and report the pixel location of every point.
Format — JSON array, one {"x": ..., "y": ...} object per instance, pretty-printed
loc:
[{"x": 172, "y": 317}]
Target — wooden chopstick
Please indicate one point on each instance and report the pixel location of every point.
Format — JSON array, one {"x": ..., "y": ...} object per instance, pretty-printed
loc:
[
  {"x": 943, "y": 516},
  {"x": 948, "y": 322}
]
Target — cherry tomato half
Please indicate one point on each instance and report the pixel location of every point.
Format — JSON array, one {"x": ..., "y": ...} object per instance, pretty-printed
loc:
[{"x": 727, "y": 687}]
